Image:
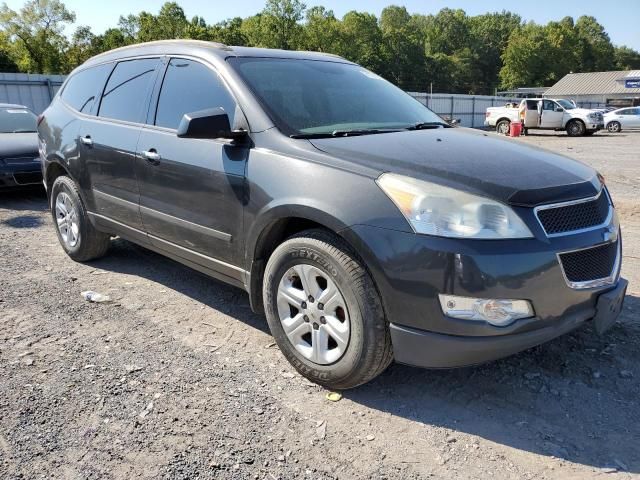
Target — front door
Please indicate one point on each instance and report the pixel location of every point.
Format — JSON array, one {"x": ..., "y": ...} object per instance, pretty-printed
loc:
[
  {"x": 109, "y": 141},
  {"x": 552, "y": 115},
  {"x": 192, "y": 190}
]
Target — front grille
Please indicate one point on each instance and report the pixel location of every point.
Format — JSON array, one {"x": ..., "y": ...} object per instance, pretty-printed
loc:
[
  {"x": 591, "y": 264},
  {"x": 574, "y": 216}
]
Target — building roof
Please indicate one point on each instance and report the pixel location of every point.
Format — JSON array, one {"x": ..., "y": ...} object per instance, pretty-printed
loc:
[{"x": 594, "y": 83}]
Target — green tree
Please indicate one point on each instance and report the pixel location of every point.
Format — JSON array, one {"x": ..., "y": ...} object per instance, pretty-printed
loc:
[
  {"x": 7, "y": 64},
  {"x": 362, "y": 41},
  {"x": 280, "y": 21},
  {"x": 228, "y": 32},
  {"x": 525, "y": 60},
  {"x": 626, "y": 58},
  {"x": 596, "y": 49},
  {"x": 489, "y": 34},
  {"x": 37, "y": 30},
  {"x": 403, "y": 48},
  {"x": 322, "y": 32}
]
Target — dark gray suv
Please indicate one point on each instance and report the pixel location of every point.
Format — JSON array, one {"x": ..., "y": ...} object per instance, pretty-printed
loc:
[{"x": 365, "y": 227}]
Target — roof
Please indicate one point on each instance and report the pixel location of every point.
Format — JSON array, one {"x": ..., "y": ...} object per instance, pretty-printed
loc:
[
  {"x": 219, "y": 50},
  {"x": 12, "y": 105},
  {"x": 594, "y": 83}
]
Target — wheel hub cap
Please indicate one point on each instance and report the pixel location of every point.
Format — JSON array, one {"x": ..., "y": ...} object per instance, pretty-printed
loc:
[
  {"x": 313, "y": 314},
  {"x": 67, "y": 220}
]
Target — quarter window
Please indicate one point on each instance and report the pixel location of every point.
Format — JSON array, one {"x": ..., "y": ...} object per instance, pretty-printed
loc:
[
  {"x": 188, "y": 87},
  {"x": 125, "y": 96},
  {"x": 83, "y": 87}
]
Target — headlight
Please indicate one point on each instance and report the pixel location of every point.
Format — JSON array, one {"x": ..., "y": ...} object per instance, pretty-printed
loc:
[{"x": 446, "y": 212}]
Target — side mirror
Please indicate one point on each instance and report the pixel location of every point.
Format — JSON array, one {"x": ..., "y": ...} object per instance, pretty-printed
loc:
[
  {"x": 559, "y": 109},
  {"x": 455, "y": 121},
  {"x": 210, "y": 124}
]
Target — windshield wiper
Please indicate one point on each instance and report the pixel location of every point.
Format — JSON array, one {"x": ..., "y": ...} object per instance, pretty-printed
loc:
[
  {"x": 427, "y": 125},
  {"x": 24, "y": 131},
  {"x": 346, "y": 133}
]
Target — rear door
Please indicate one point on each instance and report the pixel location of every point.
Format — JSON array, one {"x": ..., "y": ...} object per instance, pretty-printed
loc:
[
  {"x": 552, "y": 115},
  {"x": 192, "y": 190},
  {"x": 109, "y": 141}
]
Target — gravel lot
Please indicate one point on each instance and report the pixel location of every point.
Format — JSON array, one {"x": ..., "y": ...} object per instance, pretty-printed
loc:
[{"x": 177, "y": 378}]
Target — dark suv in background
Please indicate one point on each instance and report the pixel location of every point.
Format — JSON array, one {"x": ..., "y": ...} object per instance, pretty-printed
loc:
[{"x": 364, "y": 226}]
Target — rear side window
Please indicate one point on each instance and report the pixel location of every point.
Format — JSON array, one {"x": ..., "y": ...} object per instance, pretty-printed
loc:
[
  {"x": 125, "y": 96},
  {"x": 187, "y": 87},
  {"x": 83, "y": 88}
]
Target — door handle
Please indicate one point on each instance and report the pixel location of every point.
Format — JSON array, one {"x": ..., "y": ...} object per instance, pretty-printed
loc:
[
  {"x": 86, "y": 140},
  {"x": 152, "y": 156}
]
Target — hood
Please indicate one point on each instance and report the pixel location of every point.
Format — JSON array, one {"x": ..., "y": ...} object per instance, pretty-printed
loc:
[
  {"x": 474, "y": 161},
  {"x": 17, "y": 145},
  {"x": 582, "y": 111}
]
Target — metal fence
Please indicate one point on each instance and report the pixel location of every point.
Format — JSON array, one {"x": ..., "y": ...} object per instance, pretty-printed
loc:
[
  {"x": 33, "y": 91},
  {"x": 37, "y": 91},
  {"x": 470, "y": 109}
]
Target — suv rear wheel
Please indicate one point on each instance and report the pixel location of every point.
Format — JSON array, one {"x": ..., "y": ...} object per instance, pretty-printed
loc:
[
  {"x": 79, "y": 239},
  {"x": 324, "y": 311},
  {"x": 502, "y": 127}
]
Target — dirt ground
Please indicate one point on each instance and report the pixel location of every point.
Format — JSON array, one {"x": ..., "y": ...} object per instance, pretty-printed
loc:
[{"x": 176, "y": 378}]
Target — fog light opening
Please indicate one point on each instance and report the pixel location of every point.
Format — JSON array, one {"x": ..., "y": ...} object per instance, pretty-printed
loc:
[{"x": 494, "y": 311}]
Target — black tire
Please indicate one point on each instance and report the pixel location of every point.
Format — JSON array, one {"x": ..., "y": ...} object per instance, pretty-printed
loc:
[
  {"x": 614, "y": 127},
  {"x": 91, "y": 243},
  {"x": 369, "y": 351},
  {"x": 502, "y": 127},
  {"x": 576, "y": 128}
]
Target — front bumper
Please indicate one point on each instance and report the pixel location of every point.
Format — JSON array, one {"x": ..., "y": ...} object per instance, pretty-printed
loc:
[
  {"x": 18, "y": 175},
  {"x": 595, "y": 126},
  {"x": 411, "y": 270}
]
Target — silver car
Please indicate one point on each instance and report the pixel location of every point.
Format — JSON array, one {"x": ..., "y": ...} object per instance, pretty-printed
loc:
[{"x": 623, "y": 118}]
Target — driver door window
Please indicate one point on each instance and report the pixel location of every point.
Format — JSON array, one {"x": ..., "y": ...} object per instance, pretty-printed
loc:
[{"x": 187, "y": 87}]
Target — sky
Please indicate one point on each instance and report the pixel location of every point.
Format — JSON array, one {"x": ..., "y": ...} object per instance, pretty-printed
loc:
[{"x": 620, "y": 19}]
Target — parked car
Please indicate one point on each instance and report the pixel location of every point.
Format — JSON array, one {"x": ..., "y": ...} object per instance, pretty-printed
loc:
[
  {"x": 622, "y": 119},
  {"x": 19, "y": 157},
  {"x": 546, "y": 114},
  {"x": 362, "y": 224}
]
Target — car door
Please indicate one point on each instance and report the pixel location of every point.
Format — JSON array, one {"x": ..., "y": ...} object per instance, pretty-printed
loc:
[
  {"x": 109, "y": 140},
  {"x": 531, "y": 114},
  {"x": 630, "y": 118},
  {"x": 192, "y": 190},
  {"x": 552, "y": 115}
]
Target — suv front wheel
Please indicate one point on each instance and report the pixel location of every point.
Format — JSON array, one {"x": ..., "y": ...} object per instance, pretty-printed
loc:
[
  {"x": 324, "y": 311},
  {"x": 79, "y": 239}
]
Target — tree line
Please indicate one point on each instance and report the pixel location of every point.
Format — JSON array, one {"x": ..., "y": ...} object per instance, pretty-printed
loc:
[{"x": 449, "y": 51}]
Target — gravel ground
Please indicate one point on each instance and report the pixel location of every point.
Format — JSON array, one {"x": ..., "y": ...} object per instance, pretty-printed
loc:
[{"x": 177, "y": 378}]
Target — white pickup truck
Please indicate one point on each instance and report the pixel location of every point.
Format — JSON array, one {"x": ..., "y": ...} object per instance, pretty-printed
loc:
[{"x": 546, "y": 114}]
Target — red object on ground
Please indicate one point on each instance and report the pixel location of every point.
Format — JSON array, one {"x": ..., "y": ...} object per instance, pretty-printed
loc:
[{"x": 515, "y": 129}]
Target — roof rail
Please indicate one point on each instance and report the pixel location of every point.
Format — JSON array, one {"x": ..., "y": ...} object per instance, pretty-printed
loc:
[{"x": 202, "y": 43}]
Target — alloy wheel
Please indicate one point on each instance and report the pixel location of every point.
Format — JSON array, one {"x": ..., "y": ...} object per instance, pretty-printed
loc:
[
  {"x": 313, "y": 314},
  {"x": 67, "y": 220}
]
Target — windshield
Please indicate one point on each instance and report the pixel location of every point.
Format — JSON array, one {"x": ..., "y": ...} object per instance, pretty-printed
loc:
[
  {"x": 308, "y": 97},
  {"x": 14, "y": 120},
  {"x": 566, "y": 104}
]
